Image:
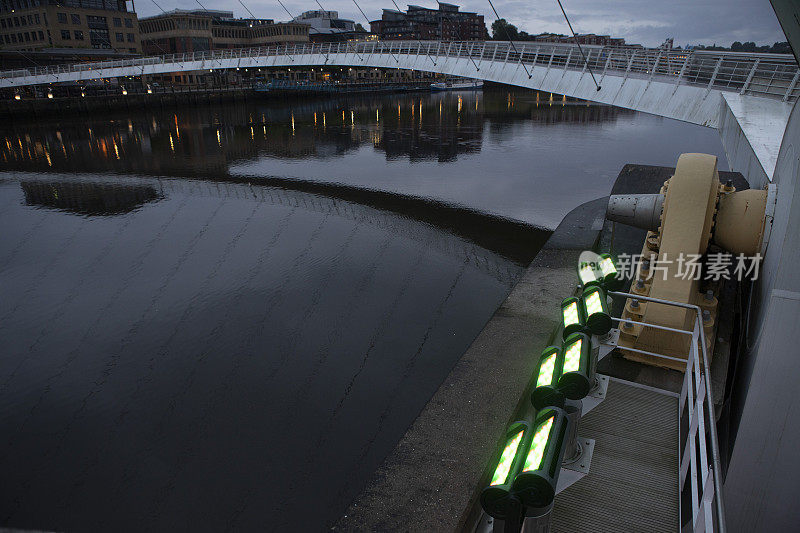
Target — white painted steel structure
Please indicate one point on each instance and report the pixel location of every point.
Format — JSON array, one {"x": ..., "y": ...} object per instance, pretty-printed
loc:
[
  {"x": 552, "y": 67},
  {"x": 698, "y": 461}
]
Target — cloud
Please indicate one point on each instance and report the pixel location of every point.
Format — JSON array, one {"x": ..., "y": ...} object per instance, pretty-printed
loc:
[{"x": 638, "y": 21}]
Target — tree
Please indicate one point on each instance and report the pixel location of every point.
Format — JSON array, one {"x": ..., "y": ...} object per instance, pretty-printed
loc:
[
  {"x": 359, "y": 27},
  {"x": 503, "y": 31}
]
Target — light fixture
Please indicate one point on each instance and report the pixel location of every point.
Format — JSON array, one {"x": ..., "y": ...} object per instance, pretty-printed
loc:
[
  {"x": 50, "y": 94},
  {"x": 545, "y": 392},
  {"x": 574, "y": 381},
  {"x": 535, "y": 485},
  {"x": 573, "y": 316},
  {"x": 17, "y": 97},
  {"x": 496, "y": 498},
  {"x": 608, "y": 270},
  {"x": 598, "y": 318}
]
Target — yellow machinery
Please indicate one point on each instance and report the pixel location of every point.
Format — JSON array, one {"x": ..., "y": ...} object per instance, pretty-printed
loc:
[{"x": 692, "y": 212}]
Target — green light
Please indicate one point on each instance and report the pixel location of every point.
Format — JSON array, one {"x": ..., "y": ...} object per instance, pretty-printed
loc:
[
  {"x": 571, "y": 313},
  {"x": 547, "y": 370},
  {"x": 504, "y": 466},
  {"x": 593, "y": 304},
  {"x": 534, "y": 459},
  {"x": 607, "y": 267},
  {"x": 586, "y": 273},
  {"x": 572, "y": 357}
]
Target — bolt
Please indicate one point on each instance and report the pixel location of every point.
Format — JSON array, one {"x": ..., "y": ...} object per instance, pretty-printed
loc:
[
  {"x": 634, "y": 304},
  {"x": 709, "y": 295},
  {"x": 627, "y": 325},
  {"x": 640, "y": 284},
  {"x": 706, "y": 315},
  {"x": 646, "y": 265}
]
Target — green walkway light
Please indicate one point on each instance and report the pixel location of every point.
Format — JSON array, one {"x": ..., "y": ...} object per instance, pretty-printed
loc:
[
  {"x": 535, "y": 485},
  {"x": 574, "y": 381},
  {"x": 598, "y": 319},
  {"x": 545, "y": 392},
  {"x": 573, "y": 316},
  {"x": 608, "y": 270},
  {"x": 587, "y": 274},
  {"x": 496, "y": 498}
]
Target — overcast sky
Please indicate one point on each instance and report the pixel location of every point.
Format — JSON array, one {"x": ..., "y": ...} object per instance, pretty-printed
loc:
[{"x": 639, "y": 21}]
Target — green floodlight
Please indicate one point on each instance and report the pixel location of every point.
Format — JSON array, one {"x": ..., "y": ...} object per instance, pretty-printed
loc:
[
  {"x": 608, "y": 271},
  {"x": 535, "y": 485},
  {"x": 497, "y": 499},
  {"x": 545, "y": 392},
  {"x": 588, "y": 274},
  {"x": 573, "y": 316},
  {"x": 574, "y": 381},
  {"x": 598, "y": 319}
]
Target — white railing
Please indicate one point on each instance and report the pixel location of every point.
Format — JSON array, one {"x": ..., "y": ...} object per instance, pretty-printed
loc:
[
  {"x": 698, "y": 456},
  {"x": 771, "y": 75}
]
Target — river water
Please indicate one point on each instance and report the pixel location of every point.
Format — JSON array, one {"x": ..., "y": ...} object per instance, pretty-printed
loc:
[{"x": 225, "y": 317}]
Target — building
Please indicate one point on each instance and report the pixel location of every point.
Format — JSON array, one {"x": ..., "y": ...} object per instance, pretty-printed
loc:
[
  {"x": 62, "y": 24},
  {"x": 446, "y": 24},
  {"x": 586, "y": 38},
  {"x": 181, "y": 31}
]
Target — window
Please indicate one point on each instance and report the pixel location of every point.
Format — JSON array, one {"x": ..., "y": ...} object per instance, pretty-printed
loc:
[
  {"x": 16, "y": 21},
  {"x": 117, "y": 22},
  {"x": 36, "y": 18},
  {"x": 27, "y": 36},
  {"x": 8, "y": 41},
  {"x": 41, "y": 35},
  {"x": 65, "y": 34},
  {"x": 130, "y": 38},
  {"x": 2, "y": 23},
  {"x": 120, "y": 37},
  {"x": 78, "y": 35},
  {"x": 62, "y": 18},
  {"x": 76, "y": 19},
  {"x": 128, "y": 23}
]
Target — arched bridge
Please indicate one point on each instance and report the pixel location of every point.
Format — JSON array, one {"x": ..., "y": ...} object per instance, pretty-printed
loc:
[{"x": 747, "y": 95}]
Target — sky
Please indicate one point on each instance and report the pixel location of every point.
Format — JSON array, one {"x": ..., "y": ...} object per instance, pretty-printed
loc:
[{"x": 644, "y": 22}]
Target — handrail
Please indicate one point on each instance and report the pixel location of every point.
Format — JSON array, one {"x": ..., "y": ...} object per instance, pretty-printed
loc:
[
  {"x": 768, "y": 75},
  {"x": 696, "y": 422}
]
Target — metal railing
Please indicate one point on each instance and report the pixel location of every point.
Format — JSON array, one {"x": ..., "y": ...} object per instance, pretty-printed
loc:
[
  {"x": 770, "y": 75},
  {"x": 695, "y": 417}
]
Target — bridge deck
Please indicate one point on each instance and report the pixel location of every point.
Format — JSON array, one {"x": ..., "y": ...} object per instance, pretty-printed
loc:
[{"x": 633, "y": 484}]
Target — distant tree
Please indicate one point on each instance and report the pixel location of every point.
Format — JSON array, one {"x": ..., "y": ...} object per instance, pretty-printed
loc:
[
  {"x": 736, "y": 46},
  {"x": 359, "y": 27},
  {"x": 503, "y": 31}
]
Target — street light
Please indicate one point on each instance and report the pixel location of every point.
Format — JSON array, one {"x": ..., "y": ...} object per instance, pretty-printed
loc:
[
  {"x": 573, "y": 316},
  {"x": 496, "y": 498},
  {"x": 587, "y": 274},
  {"x": 598, "y": 319},
  {"x": 574, "y": 381},
  {"x": 535, "y": 485},
  {"x": 546, "y": 393}
]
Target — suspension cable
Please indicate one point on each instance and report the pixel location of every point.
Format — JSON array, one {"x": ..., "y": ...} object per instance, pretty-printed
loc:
[
  {"x": 367, "y": 19},
  {"x": 333, "y": 33},
  {"x": 505, "y": 29},
  {"x": 419, "y": 42},
  {"x": 575, "y": 37}
]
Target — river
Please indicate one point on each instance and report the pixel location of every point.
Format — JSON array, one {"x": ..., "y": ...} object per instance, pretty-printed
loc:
[{"x": 225, "y": 317}]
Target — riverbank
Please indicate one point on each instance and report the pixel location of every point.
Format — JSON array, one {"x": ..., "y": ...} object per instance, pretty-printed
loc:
[{"x": 166, "y": 97}]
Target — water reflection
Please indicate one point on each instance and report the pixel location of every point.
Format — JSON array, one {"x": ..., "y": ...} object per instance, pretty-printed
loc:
[
  {"x": 209, "y": 140},
  {"x": 88, "y": 198}
]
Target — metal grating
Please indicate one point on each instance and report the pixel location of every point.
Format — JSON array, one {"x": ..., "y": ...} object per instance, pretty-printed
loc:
[{"x": 633, "y": 482}]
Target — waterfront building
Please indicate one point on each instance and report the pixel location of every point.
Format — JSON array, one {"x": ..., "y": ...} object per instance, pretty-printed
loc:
[
  {"x": 586, "y": 38},
  {"x": 197, "y": 30},
  {"x": 446, "y": 23},
  {"x": 28, "y": 25},
  {"x": 326, "y": 26}
]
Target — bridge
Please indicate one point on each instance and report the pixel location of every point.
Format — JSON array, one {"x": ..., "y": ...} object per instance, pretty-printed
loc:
[{"x": 746, "y": 96}]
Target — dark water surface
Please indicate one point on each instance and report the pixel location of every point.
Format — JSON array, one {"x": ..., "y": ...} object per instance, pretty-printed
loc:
[{"x": 207, "y": 323}]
